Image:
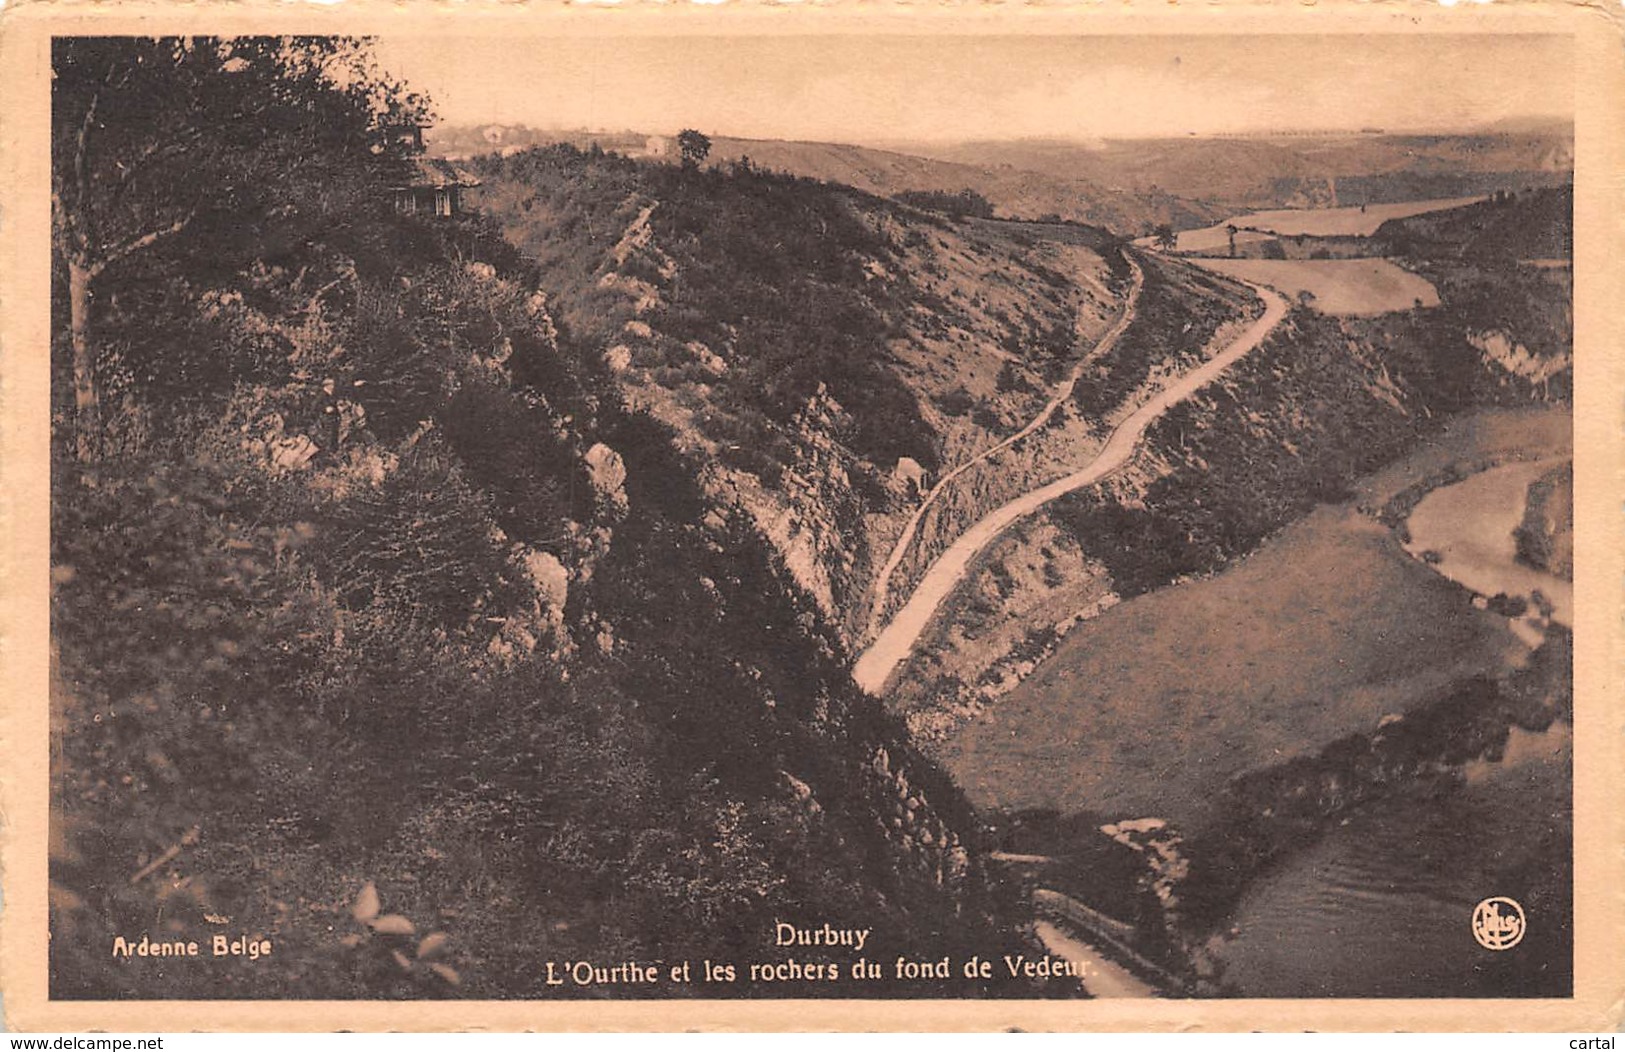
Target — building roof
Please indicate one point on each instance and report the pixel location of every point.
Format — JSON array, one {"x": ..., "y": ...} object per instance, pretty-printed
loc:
[{"x": 433, "y": 173}]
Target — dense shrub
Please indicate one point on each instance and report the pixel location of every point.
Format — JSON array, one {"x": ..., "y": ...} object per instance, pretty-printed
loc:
[
  {"x": 308, "y": 688},
  {"x": 956, "y": 204},
  {"x": 768, "y": 273},
  {"x": 1177, "y": 313}
]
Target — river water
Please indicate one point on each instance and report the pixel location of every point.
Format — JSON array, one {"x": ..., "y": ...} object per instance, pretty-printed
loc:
[{"x": 1381, "y": 905}]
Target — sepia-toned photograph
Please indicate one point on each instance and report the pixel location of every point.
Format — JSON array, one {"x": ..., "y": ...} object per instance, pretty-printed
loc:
[{"x": 778, "y": 516}]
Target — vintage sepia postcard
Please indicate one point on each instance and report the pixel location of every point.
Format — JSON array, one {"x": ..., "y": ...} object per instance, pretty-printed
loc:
[{"x": 586, "y": 517}]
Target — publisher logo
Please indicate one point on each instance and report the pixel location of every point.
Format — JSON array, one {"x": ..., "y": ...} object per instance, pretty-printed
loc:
[{"x": 1498, "y": 923}]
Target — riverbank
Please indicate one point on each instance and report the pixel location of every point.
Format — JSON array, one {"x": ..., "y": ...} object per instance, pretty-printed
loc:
[
  {"x": 1152, "y": 707},
  {"x": 1256, "y": 711},
  {"x": 1383, "y": 843},
  {"x": 1469, "y": 530},
  {"x": 1325, "y": 629},
  {"x": 1391, "y": 887}
]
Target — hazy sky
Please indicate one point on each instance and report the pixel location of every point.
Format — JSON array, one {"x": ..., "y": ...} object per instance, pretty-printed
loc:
[{"x": 867, "y": 89}]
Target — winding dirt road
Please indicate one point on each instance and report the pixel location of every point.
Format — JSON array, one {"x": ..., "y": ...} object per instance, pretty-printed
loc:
[
  {"x": 1063, "y": 391},
  {"x": 1102, "y": 976},
  {"x": 876, "y": 665}
]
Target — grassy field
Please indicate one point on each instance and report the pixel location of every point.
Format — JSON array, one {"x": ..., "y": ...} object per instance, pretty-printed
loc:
[
  {"x": 1314, "y": 222},
  {"x": 1149, "y": 709},
  {"x": 1339, "y": 286}
]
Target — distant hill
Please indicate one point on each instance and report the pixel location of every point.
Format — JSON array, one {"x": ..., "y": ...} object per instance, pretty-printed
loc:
[
  {"x": 1295, "y": 170},
  {"x": 1128, "y": 186},
  {"x": 472, "y": 140},
  {"x": 1014, "y": 191},
  {"x": 1533, "y": 226}
]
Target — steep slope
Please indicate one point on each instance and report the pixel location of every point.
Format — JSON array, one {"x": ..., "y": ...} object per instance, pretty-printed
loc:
[
  {"x": 1324, "y": 401},
  {"x": 1227, "y": 637},
  {"x": 1036, "y": 575},
  {"x": 894, "y": 644},
  {"x": 1503, "y": 268},
  {"x": 820, "y": 354},
  {"x": 394, "y": 628}
]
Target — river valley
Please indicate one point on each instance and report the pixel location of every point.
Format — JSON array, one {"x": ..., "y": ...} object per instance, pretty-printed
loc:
[
  {"x": 1335, "y": 628},
  {"x": 1378, "y": 896}
]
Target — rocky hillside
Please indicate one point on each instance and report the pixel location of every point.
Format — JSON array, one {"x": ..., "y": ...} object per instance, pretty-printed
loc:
[
  {"x": 1323, "y": 401},
  {"x": 820, "y": 355},
  {"x": 392, "y": 622},
  {"x": 1178, "y": 316},
  {"x": 1503, "y": 268},
  {"x": 1545, "y": 537}
]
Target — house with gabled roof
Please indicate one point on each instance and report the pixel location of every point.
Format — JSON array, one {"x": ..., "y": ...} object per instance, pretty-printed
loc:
[{"x": 433, "y": 187}]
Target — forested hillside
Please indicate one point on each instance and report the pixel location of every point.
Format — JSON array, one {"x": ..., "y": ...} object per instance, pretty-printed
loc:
[
  {"x": 820, "y": 354},
  {"x": 386, "y": 627},
  {"x": 450, "y": 595},
  {"x": 1323, "y": 402}
]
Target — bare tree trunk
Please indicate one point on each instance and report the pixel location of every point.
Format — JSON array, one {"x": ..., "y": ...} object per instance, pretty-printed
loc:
[{"x": 86, "y": 401}]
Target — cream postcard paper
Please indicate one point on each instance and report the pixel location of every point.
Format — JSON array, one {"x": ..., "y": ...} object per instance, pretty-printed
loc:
[{"x": 864, "y": 518}]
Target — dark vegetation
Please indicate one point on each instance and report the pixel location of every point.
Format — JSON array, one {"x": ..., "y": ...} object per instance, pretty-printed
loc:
[
  {"x": 1323, "y": 401},
  {"x": 1273, "y": 811},
  {"x": 693, "y": 147},
  {"x": 1510, "y": 225},
  {"x": 362, "y": 649},
  {"x": 958, "y": 205},
  {"x": 1237, "y": 482},
  {"x": 1393, "y": 187},
  {"x": 765, "y": 270},
  {"x": 1545, "y": 537},
  {"x": 1473, "y": 256},
  {"x": 1179, "y": 310}
]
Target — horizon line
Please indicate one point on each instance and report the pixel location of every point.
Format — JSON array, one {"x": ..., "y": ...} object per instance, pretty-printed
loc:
[{"x": 1507, "y": 125}]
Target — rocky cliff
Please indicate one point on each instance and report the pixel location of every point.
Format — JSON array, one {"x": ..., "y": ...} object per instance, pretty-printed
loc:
[{"x": 820, "y": 355}]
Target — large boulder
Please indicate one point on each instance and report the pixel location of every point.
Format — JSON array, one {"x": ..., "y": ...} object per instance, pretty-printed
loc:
[
  {"x": 549, "y": 577},
  {"x": 607, "y": 472},
  {"x": 910, "y": 474}
]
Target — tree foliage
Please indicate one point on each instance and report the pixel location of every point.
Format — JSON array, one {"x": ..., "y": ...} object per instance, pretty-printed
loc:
[
  {"x": 693, "y": 147},
  {"x": 957, "y": 204},
  {"x": 227, "y": 142},
  {"x": 353, "y": 646}
]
